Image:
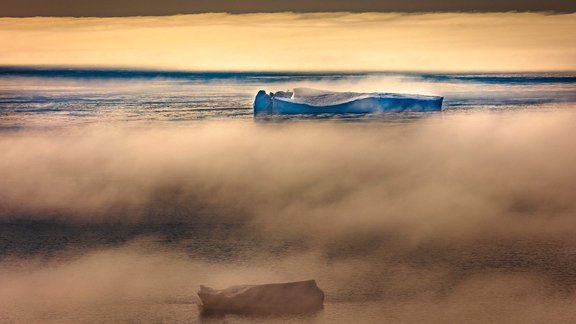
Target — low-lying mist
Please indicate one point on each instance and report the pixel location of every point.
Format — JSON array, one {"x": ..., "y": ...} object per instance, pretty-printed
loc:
[{"x": 451, "y": 218}]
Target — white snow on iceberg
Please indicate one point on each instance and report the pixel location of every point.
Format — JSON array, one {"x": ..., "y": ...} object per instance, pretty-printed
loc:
[{"x": 312, "y": 101}]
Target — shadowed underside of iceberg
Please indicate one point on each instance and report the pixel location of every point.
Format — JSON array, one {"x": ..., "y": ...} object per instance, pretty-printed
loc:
[
  {"x": 278, "y": 298},
  {"x": 312, "y": 101}
]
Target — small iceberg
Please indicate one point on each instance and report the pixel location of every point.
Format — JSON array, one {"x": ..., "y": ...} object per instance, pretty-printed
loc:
[
  {"x": 313, "y": 101},
  {"x": 278, "y": 298}
]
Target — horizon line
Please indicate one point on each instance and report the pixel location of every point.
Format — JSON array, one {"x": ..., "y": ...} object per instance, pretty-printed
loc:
[{"x": 88, "y": 68}]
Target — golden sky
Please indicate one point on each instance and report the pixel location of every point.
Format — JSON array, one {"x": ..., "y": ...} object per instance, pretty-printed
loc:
[{"x": 289, "y": 41}]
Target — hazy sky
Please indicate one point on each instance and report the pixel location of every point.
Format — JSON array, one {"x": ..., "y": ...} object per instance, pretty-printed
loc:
[
  {"x": 289, "y": 41},
  {"x": 170, "y": 7}
]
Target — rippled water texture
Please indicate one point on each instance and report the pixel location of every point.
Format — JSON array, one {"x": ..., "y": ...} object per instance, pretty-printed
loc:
[
  {"x": 122, "y": 191},
  {"x": 46, "y": 98}
]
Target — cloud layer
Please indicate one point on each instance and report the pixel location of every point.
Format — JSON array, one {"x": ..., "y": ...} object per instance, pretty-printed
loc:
[
  {"x": 107, "y": 8},
  {"x": 288, "y": 41}
]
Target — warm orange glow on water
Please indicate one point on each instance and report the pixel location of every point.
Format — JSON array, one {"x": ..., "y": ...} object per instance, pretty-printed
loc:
[{"x": 286, "y": 41}]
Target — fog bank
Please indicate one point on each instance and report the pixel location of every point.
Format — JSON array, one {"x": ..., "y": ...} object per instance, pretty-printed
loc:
[{"x": 450, "y": 218}]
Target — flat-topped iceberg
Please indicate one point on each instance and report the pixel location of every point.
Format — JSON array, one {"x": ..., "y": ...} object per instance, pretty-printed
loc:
[
  {"x": 313, "y": 101},
  {"x": 276, "y": 298}
]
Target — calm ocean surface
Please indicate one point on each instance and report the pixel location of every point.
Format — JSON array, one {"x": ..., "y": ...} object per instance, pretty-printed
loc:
[
  {"x": 59, "y": 97},
  {"x": 461, "y": 216}
]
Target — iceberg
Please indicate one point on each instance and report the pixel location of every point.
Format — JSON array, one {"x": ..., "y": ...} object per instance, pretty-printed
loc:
[
  {"x": 313, "y": 101},
  {"x": 276, "y": 298}
]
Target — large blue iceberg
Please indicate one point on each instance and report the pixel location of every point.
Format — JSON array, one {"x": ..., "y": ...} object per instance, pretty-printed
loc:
[{"x": 313, "y": 101}]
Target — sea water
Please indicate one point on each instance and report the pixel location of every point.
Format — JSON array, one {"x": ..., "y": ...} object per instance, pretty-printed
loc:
[
  {"x": 122, "y": 191},
  {"x": 60, "y": 97}
]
